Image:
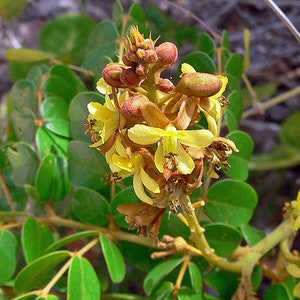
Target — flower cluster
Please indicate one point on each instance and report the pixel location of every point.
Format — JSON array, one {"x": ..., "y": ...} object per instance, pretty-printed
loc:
[{"x": 149, "y": 128}]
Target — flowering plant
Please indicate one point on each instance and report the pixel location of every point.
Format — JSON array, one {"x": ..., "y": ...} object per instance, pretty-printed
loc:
[{"x": 160, "y": 154}]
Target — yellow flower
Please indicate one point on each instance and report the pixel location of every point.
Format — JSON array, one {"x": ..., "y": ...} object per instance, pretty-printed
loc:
[
  {"x": 126, "y": 165},
  {"x": 170, "y": 141},
  {"x": 106, "y": 116}
]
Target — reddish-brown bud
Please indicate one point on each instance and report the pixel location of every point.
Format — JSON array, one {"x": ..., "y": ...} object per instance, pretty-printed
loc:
[
  {"x": 167, "y": 53},
  {"x": 150, "y": 56},
  {"x": 129, "y": 77},
  {"x": 127, "y": 62},
  {"x": 165, "y": 85},
  {"x": 199, "y": 84},
  {"x": 112, "y": 73},
  {"x": 131, "y": 108}
]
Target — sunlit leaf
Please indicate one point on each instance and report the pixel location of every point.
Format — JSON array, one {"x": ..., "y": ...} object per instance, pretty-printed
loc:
[
  {"x": 277, "y": 292},
  {"x": 206, "y": 44},
  {"x": 83, "y": 282},
  {"x": 8, "y": 255},
  {"x": 37, "y": 273},
  {"x": 196, "y": 278},
  {"x": 164, "y": 291},
  {"x": 224, "y": 239},
  {"x": 251, "y": 234},
  {"x": 159, "y": 272},
  {"x": 247, "y": 36},
  {"x": 36, "y": 237},
  {"x": 90, "y": 207},
  {"x": 27, "y": 55},
  {"x": 113, "y": 258},
  {"x": 66, "y": 37},
  {"x": 231, "y": 201}
]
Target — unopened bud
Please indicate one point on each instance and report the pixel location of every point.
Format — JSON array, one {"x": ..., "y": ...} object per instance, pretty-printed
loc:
[
  {"x": 131, "y": 108},
  {"x": 165, "y": 85},
  {"x": 127, "y": 62},
  {"x": 129, "y": 77},
  {"x": 150, "y": 56},
  {"x": 112, "y": 73},
  {"x": 167, "y": 53},
  {"x": 199, "y": 84}
]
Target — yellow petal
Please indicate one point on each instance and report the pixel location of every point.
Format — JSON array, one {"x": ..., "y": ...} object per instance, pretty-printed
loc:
[
  {"x": 122, "y": 162},
  {"x": 212, "y": 124},
  {"x": 149, "y": 182},
  {"x": 110, "y": 126},
  {"x": 139, "y": 189},
  {"x": 100, "y": 112},
  {"x": 224, "y": 80},
  {"x": 103, "y": 87},
  {"x": 195, "y": 138},
  {"x": 298, "y": 201},
  {"x": 144, "y": 135},
  {"x": 159, "y": 158},
  {"x": 185, "y": 163},
  {"x": 187, "y": 68}
]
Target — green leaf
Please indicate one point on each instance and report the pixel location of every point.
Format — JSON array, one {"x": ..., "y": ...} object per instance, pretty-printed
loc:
[
  {"x": 117, "y": 12},
  {"x": 38, "y": 272},
  {"x": 113, "y": 258},
  {"x": 185, "y": 293},
  {"x": 137, "y": 13},
  {"x": 78, "y": 114},
  {"x": 251, "y": 234},
  {"x": 234, "y": 66},
  {"x": 223, "y": 238},
  {"x": 225, "y": 283},
  {"x": 90, "y": 207},
  {"x": 159, "y": 272},
  {"x": 49, "y": 142},
  {"x": 69, "y": 239},
  {"x": 36, "y": 237},
  {"x": 23, "y": 94},
  {"x": 102, "y": 43},
  {"x": 83, "y": 282},
  {"x": 282, "y": 157},
  {"x": 54, "y": 111},
  {"x": 206, "y": 44},
  {"x": 8, "y": 255},
  {"x": 200, "y": 61},
  {"x": 66, "y": 37},
  {"x": 27, "y": 55},
  {"x": 125, "y": 196},
  {"x": 89, "y": 162},
  {"x": 239, "y": 160},
  {"x": 10, "y": 9},
  {"x": 24, "y": 124},
  {"x": 231, "y": 201},
  {"x": 48, "y": 297},
  {"x": 290, "y": 133},
  {"x": 225, "y": 40},
  {"x": 164, "y": 291},
  {"x": 234, "y": 110},
  {"x": 50, "y": 180},
  {"x": 24, "y": 162},
  {"x": 37, "y": 74},
  {"x": 196, "y": 278},
  {"x": 278, "y": 292}
]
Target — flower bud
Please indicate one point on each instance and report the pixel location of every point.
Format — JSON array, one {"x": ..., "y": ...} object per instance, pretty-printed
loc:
[
  {"x": 127, "y": 62},
  {"x": 112, "y": 73},
  {"x": 167, "y": 53},
  {"x": 131, "y": 108},
  {"x": 199, "y": 85},
  {"x": 165, "y": 85},
  {"x": 129, "y": 77},
  {"x": 150, "y": 56}
]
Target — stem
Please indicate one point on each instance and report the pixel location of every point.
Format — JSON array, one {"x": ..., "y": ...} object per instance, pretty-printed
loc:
[
  {"x": 284, "y": 19},
  {"x": 181, "y": 273},
  {"x": 272, "y": 102},
  {"x": 6, "y": 193},
  {"x": 197, "y": 235}
]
